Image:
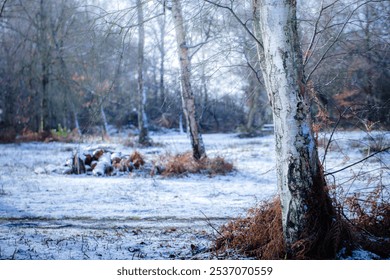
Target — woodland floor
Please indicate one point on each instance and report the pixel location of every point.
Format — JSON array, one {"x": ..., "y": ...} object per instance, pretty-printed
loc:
[{"x": 47, "y": 215}]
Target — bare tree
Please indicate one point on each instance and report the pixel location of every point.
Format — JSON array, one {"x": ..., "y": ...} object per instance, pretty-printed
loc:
[
  {"x": 188, "y": 100},
  {"x": 142, "y": 118},
  {"x": 307, "y": 212}
]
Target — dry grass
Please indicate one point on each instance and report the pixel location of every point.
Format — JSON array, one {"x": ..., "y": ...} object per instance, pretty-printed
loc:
[
  {"x": 137, "y": 159},
  {"x": 185, "y": 163},
  {"x": 258, "y": 235},
  {"x": 371, "y": 213},
  {"x": 371, "y": 221}
]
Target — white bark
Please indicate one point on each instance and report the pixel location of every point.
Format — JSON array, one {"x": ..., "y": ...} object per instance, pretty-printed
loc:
[
  {"x": 298, "y": 172},
  {"x": 185, "y": 78}
]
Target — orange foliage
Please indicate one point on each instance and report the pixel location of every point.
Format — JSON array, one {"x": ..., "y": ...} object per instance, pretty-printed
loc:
[
  {"x": 137, "y": 159},
  {"x": 185, "y": 163},
  {"x": 258, "y": 235}
]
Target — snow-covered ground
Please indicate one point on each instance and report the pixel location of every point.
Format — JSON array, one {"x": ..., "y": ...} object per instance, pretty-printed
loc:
[{"x": 47, "y": 215}]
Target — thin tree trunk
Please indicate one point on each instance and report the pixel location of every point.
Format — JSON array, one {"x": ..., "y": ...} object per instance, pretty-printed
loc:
[
  {"x": 44, "y": 49},
  {"x": 188, "y": 100},
  {"x": 306, "y": 208},
  {"x": 162, "y": 62},
  {"x": 204, "y": 90},
  {"x": 254, "y": 94},
  {"x": 142, "y": 118},
  {"x": 181, "y": 129},
  {"x": 104, "y": 120},
  {"x": 76, "y": 123}
]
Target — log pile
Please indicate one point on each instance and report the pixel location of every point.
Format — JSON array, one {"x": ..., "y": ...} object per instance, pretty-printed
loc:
[{"x": 102, "y": 162}]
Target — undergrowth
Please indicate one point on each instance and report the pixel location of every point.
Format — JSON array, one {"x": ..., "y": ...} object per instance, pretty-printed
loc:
[
  {"x": 369, "y": 217},
  {"x": 258, "y": 235},
  {"x": 181, "y": 164},
  {"x": 60, "y": 135},
  {"x": 360, "y": 223}
]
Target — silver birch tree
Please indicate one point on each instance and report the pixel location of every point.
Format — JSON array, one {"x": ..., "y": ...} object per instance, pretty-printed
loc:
[
  {"x": 306, "y": 209},
  {"x": 187, "y": 95}
]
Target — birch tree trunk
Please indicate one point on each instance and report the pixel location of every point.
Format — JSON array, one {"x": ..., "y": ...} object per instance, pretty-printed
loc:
[
  {"x": 306, "y": 209},
  {"x": 142, "y": 118},
  {"x": 188, "y": 100}
]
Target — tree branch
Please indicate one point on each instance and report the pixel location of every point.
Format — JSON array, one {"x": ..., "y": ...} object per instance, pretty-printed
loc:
[
  {"x": 237, "y": 18},
  {"x": 315, "y": 33},
  {"x": 347, "y": 20},
  {"x": 2, "y": 7},
  {"x": 355, "y": 163},
  {"x": 253, "y": 69}
]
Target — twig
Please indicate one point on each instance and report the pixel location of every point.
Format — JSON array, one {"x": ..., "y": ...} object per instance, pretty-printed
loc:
[
  {"x": 243, "y": 24},
  {"x": 210, "y": 224},
  {"x": 2, "y": 7},
  {"x": 355, "y": 163},
  {"x": 353, "y": 224},
  {"x": 337, "y": 37},
  {"x": 331, "y": 136}
]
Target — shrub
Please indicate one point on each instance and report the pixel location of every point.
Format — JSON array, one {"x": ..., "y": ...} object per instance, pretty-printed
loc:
[
  {"x": 259, "y": 235},
  {"x": 185, "y": 163},
  {"x": 369, "y": 216},
  {"x": 7, "y": 135}
]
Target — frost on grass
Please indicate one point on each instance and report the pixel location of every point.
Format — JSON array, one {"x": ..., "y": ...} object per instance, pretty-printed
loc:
[{"x": 48, "y": 215}]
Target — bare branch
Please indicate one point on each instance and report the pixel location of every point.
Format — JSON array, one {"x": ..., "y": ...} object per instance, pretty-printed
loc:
[
  {"x": 258, "y": 78},
  {"x": 243, "y": 24},
  {"x": 2, "y": 7},
  {"x": 308, "y": 53},
  {"x": 210, "y": 224},
  {"x": 198, "y": 47},
  {"x": 331, "y": 136},
  {"x": 336, "y": 39},
  {"x": 355, "y": 163}
]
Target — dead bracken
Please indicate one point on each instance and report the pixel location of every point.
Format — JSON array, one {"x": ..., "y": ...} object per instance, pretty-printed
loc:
[
  {"x": 181, "y": 164},
  {"x": 259, "y": 235}
]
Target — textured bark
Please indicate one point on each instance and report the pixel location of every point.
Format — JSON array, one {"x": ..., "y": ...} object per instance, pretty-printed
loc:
[
  {"x": 142, "y": 119},
  {"x": 185, "y": 79},
  {"x": 306, "y": 209}
]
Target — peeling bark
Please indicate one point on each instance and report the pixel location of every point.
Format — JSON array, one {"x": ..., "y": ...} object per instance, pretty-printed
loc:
[{"x": 306, "y": 208}]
